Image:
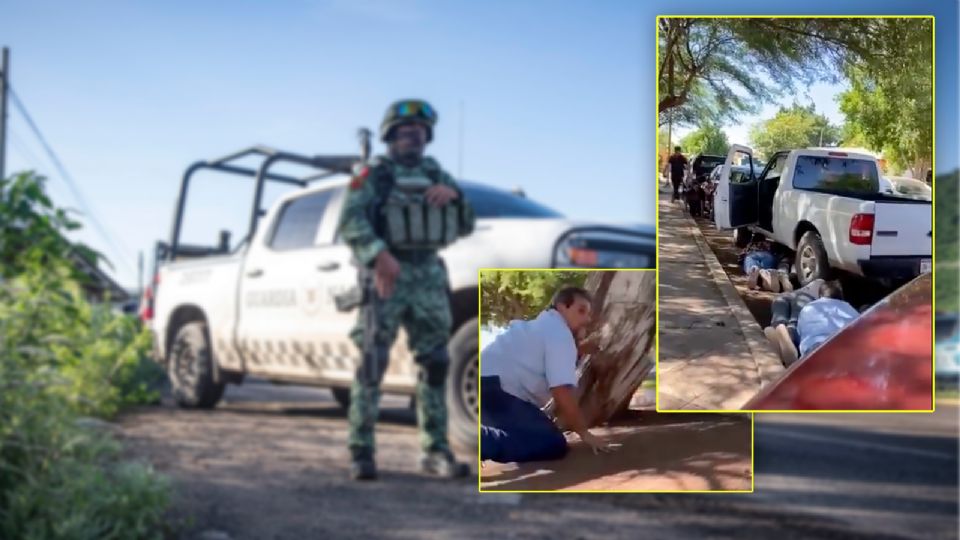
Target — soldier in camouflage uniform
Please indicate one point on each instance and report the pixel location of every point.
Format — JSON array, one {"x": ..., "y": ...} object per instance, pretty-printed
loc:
[{"x": 409, "y": 278}]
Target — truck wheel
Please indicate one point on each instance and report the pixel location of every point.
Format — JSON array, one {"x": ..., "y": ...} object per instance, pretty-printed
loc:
[
  {"x": 742, "y": 237},
  {"x": 463, "y": 396},
  {"x": 191, "y": 368},
  {"x": 812, "y": 260},
  {"x": 342, "y": 396}
]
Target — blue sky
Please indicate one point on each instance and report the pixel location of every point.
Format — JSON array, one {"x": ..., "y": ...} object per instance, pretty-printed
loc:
[{"x": 557, "y": 100}]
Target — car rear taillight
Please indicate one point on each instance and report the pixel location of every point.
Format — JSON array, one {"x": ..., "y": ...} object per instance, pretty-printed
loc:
[
  {"x": 838, "y": 154},
  {"x": 861, "y": 229},
  {"x": 146, "y": 303}
]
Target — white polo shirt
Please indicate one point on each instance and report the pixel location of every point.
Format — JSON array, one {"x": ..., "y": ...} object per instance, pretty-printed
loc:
[
  {"x": 820, "y": 320},
  {"x": 531, "y": 357}
]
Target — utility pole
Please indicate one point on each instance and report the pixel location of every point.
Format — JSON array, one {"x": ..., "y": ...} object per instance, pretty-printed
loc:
[{"x": 4, "y": 90}]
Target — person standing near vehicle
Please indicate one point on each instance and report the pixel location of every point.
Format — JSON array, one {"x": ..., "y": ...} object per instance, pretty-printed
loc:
[
  {"x": 676, "y": 167},
  {"x": 399, "y": 211}
]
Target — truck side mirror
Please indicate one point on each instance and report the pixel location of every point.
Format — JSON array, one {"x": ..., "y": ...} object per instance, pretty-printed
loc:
[{"x": 224, "y": 246}]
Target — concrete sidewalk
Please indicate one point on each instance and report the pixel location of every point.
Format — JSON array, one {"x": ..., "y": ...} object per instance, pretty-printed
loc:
[{"x": 713, "y": 354}]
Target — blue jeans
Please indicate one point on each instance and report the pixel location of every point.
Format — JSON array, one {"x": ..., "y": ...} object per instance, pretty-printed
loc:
[
  {"x": 514, "y": 430},
  {"x": 759, "y": 259},
  {"x": 786, "y": 307}
]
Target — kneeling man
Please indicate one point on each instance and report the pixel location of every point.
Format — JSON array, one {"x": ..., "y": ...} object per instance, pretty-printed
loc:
[{"x": 531, "y": 362}]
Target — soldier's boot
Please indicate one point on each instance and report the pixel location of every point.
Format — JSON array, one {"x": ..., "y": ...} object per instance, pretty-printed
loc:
[
  {"x": 363, "y": 466},
  {"x": 442, "y": 463}
]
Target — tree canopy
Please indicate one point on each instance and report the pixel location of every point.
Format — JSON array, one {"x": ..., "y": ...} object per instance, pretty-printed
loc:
[
  {"x": 716, "y": 69},
  {"x": 708, "y": 139},
  {"x": 889, "y": 106},
  {"x": 507, "y": 295},
  {"x": 793, "y": 127}
]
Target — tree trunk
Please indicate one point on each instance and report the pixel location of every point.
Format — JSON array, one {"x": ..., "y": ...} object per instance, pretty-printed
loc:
[{"x": 617, "y": 350}]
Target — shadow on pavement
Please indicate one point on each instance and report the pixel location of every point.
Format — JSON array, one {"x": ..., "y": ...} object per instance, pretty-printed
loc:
[{"x": 658, "y": 452}]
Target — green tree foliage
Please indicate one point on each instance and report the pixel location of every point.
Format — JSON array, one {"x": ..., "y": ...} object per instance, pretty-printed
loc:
[
  {"x": 948, "y": 239},
  {"x": 717, "y": 69},
  {"x": 793, "y": 127},
  {"x": 708, "y": 139},
  {"x": 890, "y": 101},
  {"x": 61, "y": 358},
  {"x": 507, "y": 295}
]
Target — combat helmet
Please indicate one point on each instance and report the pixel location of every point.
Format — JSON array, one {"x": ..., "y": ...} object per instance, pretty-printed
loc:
[{"x": 405, "y": 111}]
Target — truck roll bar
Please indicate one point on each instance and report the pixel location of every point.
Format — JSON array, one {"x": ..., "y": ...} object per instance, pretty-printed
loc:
[{"x": 326, "y": 165}]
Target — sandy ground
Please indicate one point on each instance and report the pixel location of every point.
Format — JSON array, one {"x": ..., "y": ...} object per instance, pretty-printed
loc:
[
  {"x": 270, "y": 462},
  {"x": 658, "y": 452}
]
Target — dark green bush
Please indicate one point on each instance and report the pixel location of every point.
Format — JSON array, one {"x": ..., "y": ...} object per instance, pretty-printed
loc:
[{"x": 62, "y": 358}]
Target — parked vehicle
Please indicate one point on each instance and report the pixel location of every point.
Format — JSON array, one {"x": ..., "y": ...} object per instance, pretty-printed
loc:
[
  {"x": 267, "y": 307},
  {"x": 947, "y": 349},
  {"x": 827, "y": 206},
  {"x": 700, "y": 167}
]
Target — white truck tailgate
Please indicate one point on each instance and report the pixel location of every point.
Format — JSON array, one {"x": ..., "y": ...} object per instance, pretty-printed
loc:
[{"x": 902, "y": 229}]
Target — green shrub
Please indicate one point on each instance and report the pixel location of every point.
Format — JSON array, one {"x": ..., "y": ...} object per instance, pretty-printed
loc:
[{"x": 62, "y": 357}]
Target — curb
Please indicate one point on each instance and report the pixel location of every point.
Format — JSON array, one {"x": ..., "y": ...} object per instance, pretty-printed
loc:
[{"x": 767, "y": 361}]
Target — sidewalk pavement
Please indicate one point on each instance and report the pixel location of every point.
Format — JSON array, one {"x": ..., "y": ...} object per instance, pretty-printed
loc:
[{"x": 712, "y": 353}]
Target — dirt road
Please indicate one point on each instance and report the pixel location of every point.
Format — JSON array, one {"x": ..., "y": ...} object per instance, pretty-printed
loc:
[{"x": 270, "y": 464}]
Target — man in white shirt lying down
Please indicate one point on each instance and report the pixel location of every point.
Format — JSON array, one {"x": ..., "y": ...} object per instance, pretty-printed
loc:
[{"x": 525, "y": 366}]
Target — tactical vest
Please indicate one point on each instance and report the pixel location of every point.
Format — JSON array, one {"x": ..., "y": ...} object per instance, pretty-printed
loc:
[{"x": 404, "y": 219}]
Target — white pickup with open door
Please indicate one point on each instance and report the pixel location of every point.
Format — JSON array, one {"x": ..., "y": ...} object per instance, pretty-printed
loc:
[{"x": 735, "y": 203}]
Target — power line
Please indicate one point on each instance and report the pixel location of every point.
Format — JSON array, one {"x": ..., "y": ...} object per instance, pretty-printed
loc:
[
  {"x": 24, "y": 150},
  {"x": 125, "y": 253}
]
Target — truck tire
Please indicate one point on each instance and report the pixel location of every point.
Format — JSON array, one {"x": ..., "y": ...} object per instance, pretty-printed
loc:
[
  {"x": 812, "y": 262},
  {"x": 463, "y": 386},
  {"x": 742, "y": 237},
  {"x": 342, "y": 396},
  {"x": 191, "y": 368}
]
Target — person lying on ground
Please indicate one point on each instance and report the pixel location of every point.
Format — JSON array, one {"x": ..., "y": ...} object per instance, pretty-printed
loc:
[
  {"x": 525, "y": 366},
  {"x": 766, "y": 269},
  {"x": 802, "y": 320}
]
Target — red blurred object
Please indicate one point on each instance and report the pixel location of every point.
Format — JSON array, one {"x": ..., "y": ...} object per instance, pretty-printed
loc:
[
  {"x": 146, "y": 303},
  {"x": 861, "y": 229},
  {"x": 882, "y": 361}
]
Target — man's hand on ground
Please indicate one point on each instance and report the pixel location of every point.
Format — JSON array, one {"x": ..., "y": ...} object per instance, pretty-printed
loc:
[{"x": 595, "y": 443}]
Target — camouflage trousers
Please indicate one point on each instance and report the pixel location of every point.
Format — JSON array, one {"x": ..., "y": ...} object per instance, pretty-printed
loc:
[{"x": 420, "y": 303}]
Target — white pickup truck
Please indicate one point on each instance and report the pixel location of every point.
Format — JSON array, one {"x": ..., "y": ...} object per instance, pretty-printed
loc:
[
  {"x": 827, "y": 206},
  {"x": 266, "y": 308}
]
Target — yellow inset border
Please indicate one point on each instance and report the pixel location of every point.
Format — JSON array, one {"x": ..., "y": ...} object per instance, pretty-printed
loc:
[
  {"x": 656, "y": 353},
  {"x": 933, "y": 205}
]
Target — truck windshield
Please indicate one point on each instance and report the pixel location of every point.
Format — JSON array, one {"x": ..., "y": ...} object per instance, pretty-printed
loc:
[{"x": 837, "y": 175}]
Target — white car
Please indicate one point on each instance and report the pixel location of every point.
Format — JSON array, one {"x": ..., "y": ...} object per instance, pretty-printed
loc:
[
  {"x": 827, "y": 205},
  {"x": 267, "y": 308}
]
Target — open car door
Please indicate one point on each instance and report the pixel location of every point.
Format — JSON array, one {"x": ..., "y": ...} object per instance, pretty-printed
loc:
[{"x": 735, "y": 203}]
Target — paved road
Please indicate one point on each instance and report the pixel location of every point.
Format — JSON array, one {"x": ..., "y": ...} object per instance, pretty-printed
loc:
[
  {"x": 881, "y": 473},
  {"x": 270, "y": 463}
]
